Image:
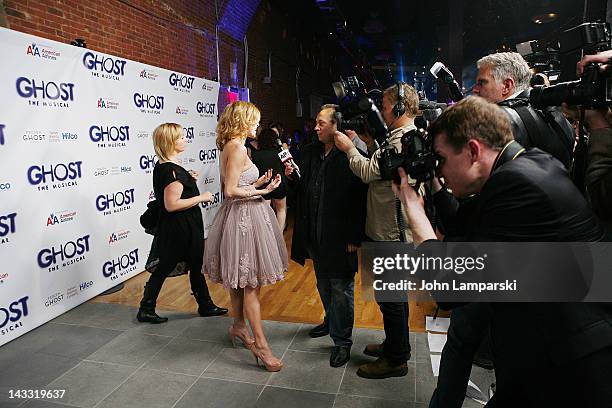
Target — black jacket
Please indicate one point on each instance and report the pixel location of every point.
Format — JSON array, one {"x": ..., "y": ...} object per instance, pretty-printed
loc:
[
  {"x": 342, "y": 214},
  {"x": 532, "y": 198}
]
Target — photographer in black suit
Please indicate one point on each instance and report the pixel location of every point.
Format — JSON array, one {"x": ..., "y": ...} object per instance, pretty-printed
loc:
[
  {"x": 553, "y": 355},
  {"x": 503, "y": 78}
]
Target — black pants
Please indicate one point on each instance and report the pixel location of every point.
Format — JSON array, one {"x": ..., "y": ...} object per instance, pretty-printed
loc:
[
  {"x": 167, "y": 265},
  {"x": 581, "y": 383},
  {"x": 469, "y": 325},
  {"x": 396, "y": 346},
  {"x": 337, "y": 296}
]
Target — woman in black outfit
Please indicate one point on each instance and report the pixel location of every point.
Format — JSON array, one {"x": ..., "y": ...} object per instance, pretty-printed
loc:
[
  {"x": 180, "y": 230},
  {"x": 265, "y": 156}
]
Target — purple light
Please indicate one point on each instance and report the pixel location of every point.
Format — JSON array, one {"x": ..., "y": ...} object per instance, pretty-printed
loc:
[{"x": 237, "y": 17}]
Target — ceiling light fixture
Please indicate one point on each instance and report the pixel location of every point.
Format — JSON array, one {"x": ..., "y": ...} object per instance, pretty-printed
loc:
[{"x": 544, "y": 13}]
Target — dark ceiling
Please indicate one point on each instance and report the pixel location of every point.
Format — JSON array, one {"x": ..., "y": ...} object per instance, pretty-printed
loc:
[
  {"x": 394, "y": 39},
  {"x": 486, "y": 23}
]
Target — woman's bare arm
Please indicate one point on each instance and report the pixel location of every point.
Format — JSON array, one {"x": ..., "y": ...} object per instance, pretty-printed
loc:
[
  {"x": 173, "y": 201},
  {"x": 236, "y": 157}
]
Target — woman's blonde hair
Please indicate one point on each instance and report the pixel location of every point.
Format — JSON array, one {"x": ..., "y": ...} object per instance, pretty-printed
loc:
[
  {"x": 164, "y": 139},
  {"x": 235, "y": 121}
]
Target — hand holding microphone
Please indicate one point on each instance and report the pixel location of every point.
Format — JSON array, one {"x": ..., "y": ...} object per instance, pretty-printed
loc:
[{"x": 286, "y": 159}]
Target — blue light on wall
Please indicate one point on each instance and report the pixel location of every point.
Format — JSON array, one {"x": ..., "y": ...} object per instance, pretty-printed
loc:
[
  {"x": 399, "y": 54},
  {"x": 236, "y": 17}
]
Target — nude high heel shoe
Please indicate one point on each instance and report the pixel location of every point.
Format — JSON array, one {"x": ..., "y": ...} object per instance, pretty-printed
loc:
[
  {"x": 267, "y": 360},
  {"x": 243, "y": 335}
]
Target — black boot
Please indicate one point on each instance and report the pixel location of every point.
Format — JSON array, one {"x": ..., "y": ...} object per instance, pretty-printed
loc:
[
  {"x": 206, "y": 307},
  {"x": 146, "y": 313},
  {"x": 199, "y": 289}
]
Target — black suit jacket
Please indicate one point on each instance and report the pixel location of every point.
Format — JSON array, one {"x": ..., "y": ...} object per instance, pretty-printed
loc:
[{"x": 532, "y": 198}]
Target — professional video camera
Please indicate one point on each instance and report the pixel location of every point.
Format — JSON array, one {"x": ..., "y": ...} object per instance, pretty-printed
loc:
[
  {"x": 542, "y": 57},
  {"x": 357, "y": 110},
  {"x": 416, "y": 158},
  {"x": 594, "y": 88},
  {"x": 430, "y": 110}
]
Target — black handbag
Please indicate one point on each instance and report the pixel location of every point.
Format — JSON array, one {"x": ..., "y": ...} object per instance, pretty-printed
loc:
[
  {"x": 150, "y": 217},
  {"x": 149, "y": 220}
]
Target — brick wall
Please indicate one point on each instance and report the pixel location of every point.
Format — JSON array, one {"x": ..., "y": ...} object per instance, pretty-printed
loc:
[
  {"x": 180, "y": 35},
  {"x": 291, "y": 44}
]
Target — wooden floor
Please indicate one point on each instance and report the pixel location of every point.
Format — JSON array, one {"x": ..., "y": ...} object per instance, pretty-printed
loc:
[{"x": 295, "y": 299}]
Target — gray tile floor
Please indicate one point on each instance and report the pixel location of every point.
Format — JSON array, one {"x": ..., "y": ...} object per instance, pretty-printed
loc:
[{"x": 104, "y": 358}]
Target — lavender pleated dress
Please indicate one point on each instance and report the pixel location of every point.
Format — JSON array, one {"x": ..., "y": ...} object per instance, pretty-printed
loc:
[{"x": 245, "y": 246}]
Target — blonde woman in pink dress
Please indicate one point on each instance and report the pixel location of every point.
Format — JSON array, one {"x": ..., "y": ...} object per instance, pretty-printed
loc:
[{"x": 245, "y": 249}]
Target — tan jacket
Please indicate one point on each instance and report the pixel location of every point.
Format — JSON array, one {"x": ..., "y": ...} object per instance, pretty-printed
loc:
[{"x": 381, "y": 223}]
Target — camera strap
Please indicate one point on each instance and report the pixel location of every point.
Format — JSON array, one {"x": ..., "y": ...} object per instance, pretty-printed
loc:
[
  {"x": 557, "y": 121},
  {"x": 539, "y": 125},
  {"x": 430, "y": 210},
  {"x": 509, "y": 152},
  {"x": 401, "y": 224},
  {"x": 536, "y": 129},
  {"x": 578, "y": 169}
]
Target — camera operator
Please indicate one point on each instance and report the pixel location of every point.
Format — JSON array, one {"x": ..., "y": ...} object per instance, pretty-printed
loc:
[
  {"x": 598, "y": 177},
  {"x": 546, "y": 354},
  {"x": 400, "y": 105},
  {"x": 503, "y": 78}
]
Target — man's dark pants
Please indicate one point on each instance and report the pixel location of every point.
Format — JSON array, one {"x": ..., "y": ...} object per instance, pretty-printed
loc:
[
  {"x": 396, "y": 346},
  {"x": 469, "y": 325},
  {"x": 337, "y": 296}
]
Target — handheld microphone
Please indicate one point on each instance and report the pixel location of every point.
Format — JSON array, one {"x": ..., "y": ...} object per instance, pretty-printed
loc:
[{"x": 285, "y": 157}]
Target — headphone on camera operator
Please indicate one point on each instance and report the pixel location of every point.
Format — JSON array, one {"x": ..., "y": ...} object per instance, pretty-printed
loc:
[{"x": 399, "y": 109}]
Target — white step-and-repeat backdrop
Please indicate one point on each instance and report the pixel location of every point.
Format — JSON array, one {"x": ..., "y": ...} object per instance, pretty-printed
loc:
[{"x": 76, "y": 162}]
